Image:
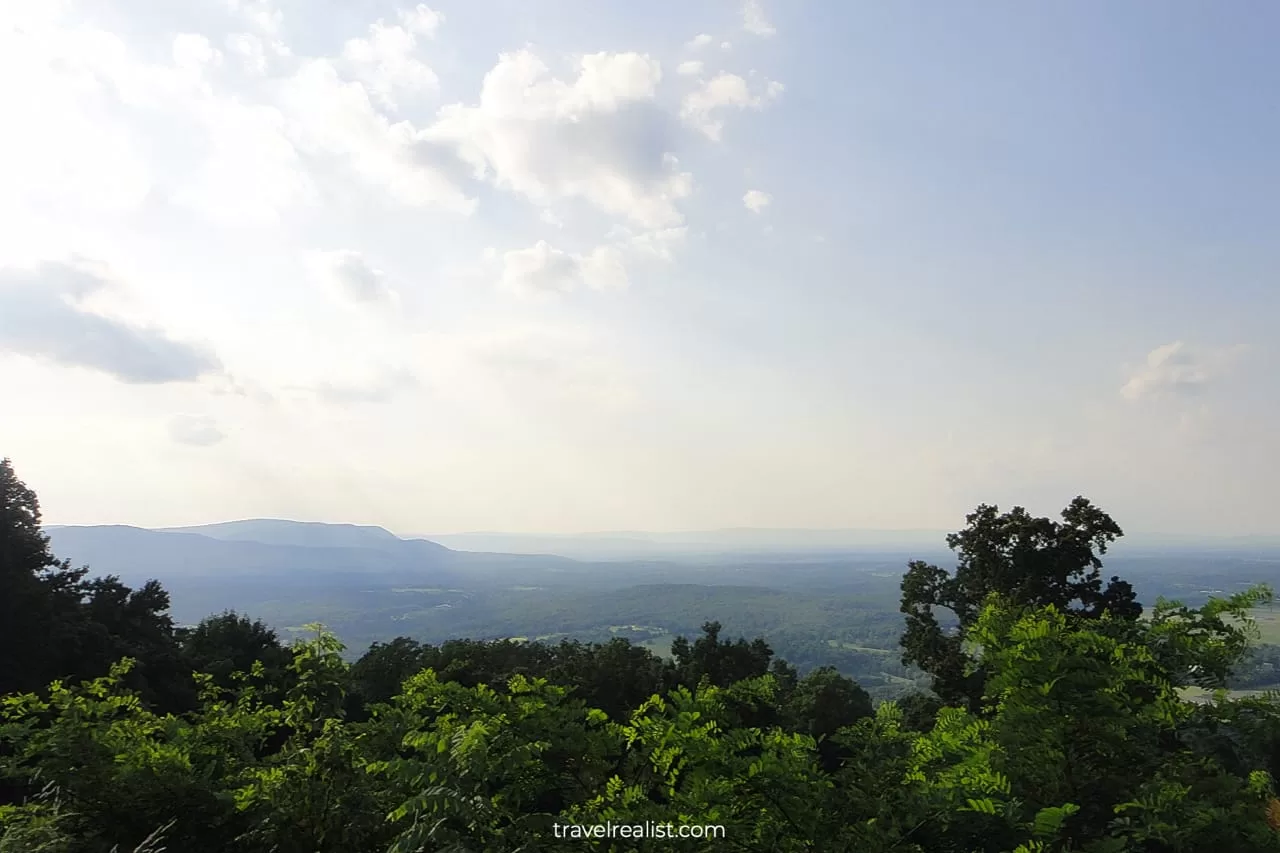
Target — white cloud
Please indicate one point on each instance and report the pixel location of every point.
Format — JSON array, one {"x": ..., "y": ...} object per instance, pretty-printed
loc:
[
  {"x": 258, "y": 54},
  {"x": 385, "y": 62},
  {"x": 81, "y": 150},
  {"x": 539, "y": 269},
  {"x": 724, "y": 91},
  {"x": 44, "y": 315},
  {"x": 756, "y": 201},
  {"x": 349, "y": 275},
  {"x": 603, "y": 269},
  {"x": 422, "y": 20},
  {"x": 64, "y": 148},
  {"x": 193, "y": 52},
  {"x": 252, "y": 52},
  {"x": 754, "y": 19},
  {"x": 195, "y": 430},
  {"x": 1176, "y": 369},
  {"x": 543, "y": 269},
  {"x": 726, "y": 45},
  {"x": 600, "y": 138},
  {"x": 329, "y": 116},
  {"x": 689, "y": 68},
  {"x": 252, "y": 172},
  {"x": 261, "y": 15},
  {"x": 700, "y": 40},
  {"x": 660, "y": 243},
  {"x": 548, "y": 216}
]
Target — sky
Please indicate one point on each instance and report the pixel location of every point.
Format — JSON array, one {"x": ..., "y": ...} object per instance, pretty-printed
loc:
[{"x": 571, "y": 265}]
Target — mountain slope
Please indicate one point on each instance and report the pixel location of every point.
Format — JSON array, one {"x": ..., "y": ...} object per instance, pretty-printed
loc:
[
  {"x": 311, "y": 534},
  {"x": 135, "y": 553}
]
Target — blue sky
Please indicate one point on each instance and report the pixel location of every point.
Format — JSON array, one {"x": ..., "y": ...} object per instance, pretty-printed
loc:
[{"x": 562, "y": 266}]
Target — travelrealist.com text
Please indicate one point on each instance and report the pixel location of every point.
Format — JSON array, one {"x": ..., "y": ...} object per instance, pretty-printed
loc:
[{"x": 648, "y": 829}]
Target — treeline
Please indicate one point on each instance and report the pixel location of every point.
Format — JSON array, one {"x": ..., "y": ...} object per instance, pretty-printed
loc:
[{"x": 1054, "y": 723}]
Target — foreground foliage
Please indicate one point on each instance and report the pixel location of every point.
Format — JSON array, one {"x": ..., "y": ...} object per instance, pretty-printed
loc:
[
  {"x": 1084, "y": 744},
  {"x": 1067, "y": 728}
]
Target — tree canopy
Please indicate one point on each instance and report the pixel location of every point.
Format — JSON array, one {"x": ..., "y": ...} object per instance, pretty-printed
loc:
[{"x": 1030, "y": 561}]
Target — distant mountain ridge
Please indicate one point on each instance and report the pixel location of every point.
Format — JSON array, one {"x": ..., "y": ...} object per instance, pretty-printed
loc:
[
  {"x": 296, "y": 551},
  {"x": 318, "y": 534},
  {"x": 134, "y": 553},
  {"x": 278, "y": 550}
]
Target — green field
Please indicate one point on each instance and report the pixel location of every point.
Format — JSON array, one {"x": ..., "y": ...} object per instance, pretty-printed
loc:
[
  {"x": 1268, "y": 619},
  {"x": 1195, "y": 694}
]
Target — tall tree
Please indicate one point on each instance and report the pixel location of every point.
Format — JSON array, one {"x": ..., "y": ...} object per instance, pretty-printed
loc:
[
  {"x": 721, "y": 663},
  {"x": 231, "y": 642},
  {"x": 39, "y": 596},
  {"x": 55, "y": 623},
  {"x": 1030, "y": 561}
]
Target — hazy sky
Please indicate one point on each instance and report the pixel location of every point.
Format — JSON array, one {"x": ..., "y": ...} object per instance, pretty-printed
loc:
[{"x": 562, "y": 265}]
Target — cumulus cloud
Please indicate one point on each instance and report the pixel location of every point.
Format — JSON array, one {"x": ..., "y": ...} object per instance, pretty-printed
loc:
[
  {"x": 690, "y": 68},
  {"x": 41, "y": 316},
  {"x": 252, "y": 173},
  {"x": 1178, "y": 370},
  {"x": 385, "y": 59},
  {"x": 350, "y": 275},
  {"x": 422, "y": 20},
  {"x": 701, "y": 107},
  {"x": 599, "y": 138},
  {"x": 756, "y": 201},
  {"x": 275, "y": 132},
  {"x": 754, "y": 19},
  {"x": 192, "y": 52},
  {"x": 195, "y": 430},
  {"x": 63, "y": 147},
  {"x": 271, "y": 130},
  {"x": 660, "y": 243},
  {"x": 543, "y": 269},
  {"x": 700, "y": 40},
  {"x": 251, "y": 50},
  {"x": 261, "y": 15},
  {"x": 333, "y": 117}
]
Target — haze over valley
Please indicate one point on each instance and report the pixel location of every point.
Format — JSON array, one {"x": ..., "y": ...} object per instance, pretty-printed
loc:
[{"x": 820, "y": 597}]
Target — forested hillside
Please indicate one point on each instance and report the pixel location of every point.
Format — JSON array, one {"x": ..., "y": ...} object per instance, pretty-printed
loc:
[{"x": 1057, "y": 720}]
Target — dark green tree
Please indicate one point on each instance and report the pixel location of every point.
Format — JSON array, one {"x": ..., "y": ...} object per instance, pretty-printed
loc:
[
  {"x": 1030, "y": 561},
  {"x": 40, "y": 609},
  {"x": 823, "y": 703},
  {"x": 55, "y": 623},
  {"x": 120, "y": 622},
  {"x": 919, "y": 711},
  {"x": 720, "y": 663},
  {"x": 616, "y": 677},
  {"x": 380, "y": 671},
  {"x": 231, "y": 642}
]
